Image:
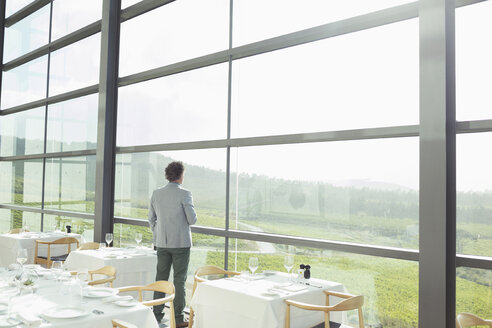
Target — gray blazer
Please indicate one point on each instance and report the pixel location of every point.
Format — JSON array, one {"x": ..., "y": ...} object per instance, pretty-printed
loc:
[{"x": 171, "y": 212}]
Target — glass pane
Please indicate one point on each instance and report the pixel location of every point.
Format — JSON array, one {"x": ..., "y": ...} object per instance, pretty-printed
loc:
[
  {"x": 128, "y": 3},
  {"x": 30, "y": 33},
  {"x": 474, "y": 292},
  {"x": 71, "y": 15},
  {"x": 20, "y": 182},
  {"x": 24, "y": 83},
  {"x": 389, "y": 287},
  {"x": 172, "y": 33},
  {"x": 194, "y": 105},
  {"x": 22, "y": 133},
  {"x": 311, "y": 88},
  {"x": 72, "y": 125},
  {"x": 256, "y": 20},
  {"x": 139, "y": 174},
  {"x": 84, "y": 227},
  {"x": 363, "y": 191},
  {"x": 124, "y": 236},
  {"x": 13, "y": 6},
  {"x": 474, "y": 194},
  {"x": 12, "y": 219},
  {"x": 75, "y": 66},
  {"x": 70, "y": 183},
  {"x": 473, "y": 66}
]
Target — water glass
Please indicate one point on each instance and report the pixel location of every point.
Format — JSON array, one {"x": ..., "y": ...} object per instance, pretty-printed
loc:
[
  {"x": 21, "y": 256},
  {"x": 253, "y": 264},
  {"x": 109, "y": 238},
  {"x": 138, "y": 238}
]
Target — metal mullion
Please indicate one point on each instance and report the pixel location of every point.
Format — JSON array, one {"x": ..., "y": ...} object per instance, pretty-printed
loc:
[
  {"x": 228, "y": 150},
  {"x": 344, "y": 135},
  {"x": 74, "y": 153},
  {"x": 2, "y": 41},
  {"x": 48, "y": 211},
  {"x": 474, "y": 126},
  {"x": 52, "y": 100},
  {"x": 473, "y": 261},
  {"x": 106, "y": 127},
  {"x": 437, "y": 199},
  {"x": 26, "y": 11},
  {"x": 43, "y": 178}
]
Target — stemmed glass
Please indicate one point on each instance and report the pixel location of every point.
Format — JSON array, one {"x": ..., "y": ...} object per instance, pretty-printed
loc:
[
  {"x": 109, "y": 238},
  {"x": 138, "y": 238},
  {"x": 21, "y": 256},
  {"x": 288, "y": 263},
  {"x": 253, "y": 264}
]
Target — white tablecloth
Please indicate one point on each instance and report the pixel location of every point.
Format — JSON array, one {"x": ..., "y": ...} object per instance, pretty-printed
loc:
[
  {"x": 48, "y": 296},
  {"x": 133, "y": 266},
  {"x": 235, "y": 303},
  {"x": 10, "y": 243}
]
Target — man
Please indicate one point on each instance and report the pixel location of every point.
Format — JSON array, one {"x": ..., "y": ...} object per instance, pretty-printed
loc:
[{"x": 171, "y": 212}]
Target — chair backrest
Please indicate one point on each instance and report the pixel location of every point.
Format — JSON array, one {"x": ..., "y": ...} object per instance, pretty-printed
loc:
[
  {"x": 162, "y": 286},
  {"x": 108, "y": 271},
  {"x": 469, "y": 320},
  {"x": 349, "y": 302},
  {"x": 89, "y": 245},
  {"x": 209, "y": 270},
  {"x": 61, "y": 241},
  {"x": 122, "y": 324},
  {"x": 17, "y": 230}
]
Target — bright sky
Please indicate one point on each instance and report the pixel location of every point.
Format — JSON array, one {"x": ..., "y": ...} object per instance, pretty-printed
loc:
[{"x": 361, "y": 80}]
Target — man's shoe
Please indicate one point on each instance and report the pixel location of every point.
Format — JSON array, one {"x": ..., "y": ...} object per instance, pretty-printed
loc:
[{"x": 182, "y": 324}]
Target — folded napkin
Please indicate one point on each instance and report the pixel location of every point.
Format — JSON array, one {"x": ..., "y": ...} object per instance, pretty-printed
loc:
[
  {"x": 291, "y": 287},
  {"x": 115, "y": 298},
  {"x": 29, "y": 318}
]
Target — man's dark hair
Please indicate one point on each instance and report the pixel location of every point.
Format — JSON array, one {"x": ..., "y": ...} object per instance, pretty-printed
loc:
[{"x": 174, "y": 171}]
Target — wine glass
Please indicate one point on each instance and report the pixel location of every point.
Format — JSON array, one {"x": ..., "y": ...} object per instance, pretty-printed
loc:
[
  {"x": 109, "y": 238},
  {"x": 57, "y": 266},
  {"x": 138, "y": 238},
  {"x": 21, "y": 256},
  {"x": 83, "y": 275},
  {"x": 288, "y": 263},
  {"x": 253, "y": 264}
]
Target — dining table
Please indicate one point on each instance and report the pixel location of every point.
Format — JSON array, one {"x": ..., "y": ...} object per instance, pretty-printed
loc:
[
  {"x": 10, "y": 243},
  {"x": 58, "y": 299},
  {"x": 259, "y": 301},
  {"x": 134, "y": 265}
]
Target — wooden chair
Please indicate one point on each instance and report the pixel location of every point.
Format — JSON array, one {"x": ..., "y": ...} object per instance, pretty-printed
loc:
[
  {"x": 17, "y": 230},
  {"x": 465, "y": 320},
  {"x": 162, "y": 286},
  {"x": 207, "y": 270},
  {"x": 90, "y": 245},
  {"x": 108, "y": 271},
  {"x": 47, "y": 260},
  {"x": 350, "y": 302},
  {"x": 122, "y": 324}
]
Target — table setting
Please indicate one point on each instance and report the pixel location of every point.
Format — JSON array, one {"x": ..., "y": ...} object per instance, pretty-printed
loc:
[
  {"x": 57, "y": 298},
  {"x": 257, "y": 299},
  {"x": 11, "y": 243}
]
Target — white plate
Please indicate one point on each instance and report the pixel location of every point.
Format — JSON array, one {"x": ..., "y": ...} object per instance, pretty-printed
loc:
[
  {"x": 126, "y": 303},
  {"x": 65, "y": 312},
  {"x": 32, "y": 266},
  {"x": 99, "y": 292},
  {"x": 270, "y": 292},
  {"x": 3, "y": 307},
  {"x": 8, "y": 322}
]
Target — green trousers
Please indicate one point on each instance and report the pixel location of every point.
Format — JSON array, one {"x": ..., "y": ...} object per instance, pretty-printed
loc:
[{"x": 179, "y": 259}]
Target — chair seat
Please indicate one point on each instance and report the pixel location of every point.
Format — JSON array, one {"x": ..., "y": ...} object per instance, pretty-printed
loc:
[
  {"x": 56, "y": 258},
  {"x": 332, "y": 325}
]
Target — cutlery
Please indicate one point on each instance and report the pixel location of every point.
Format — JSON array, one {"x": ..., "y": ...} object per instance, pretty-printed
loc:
[{"x": 97, "y": 312}]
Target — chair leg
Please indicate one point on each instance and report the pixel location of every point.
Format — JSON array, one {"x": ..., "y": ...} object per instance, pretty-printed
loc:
[
  {"x": 327, "y": 319},
  {"x": 361, "y": 318},
  {"x": 287, "y": 317},
  {"x": 172, "y": 319},
  {"x": 190, "y": 319}
]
